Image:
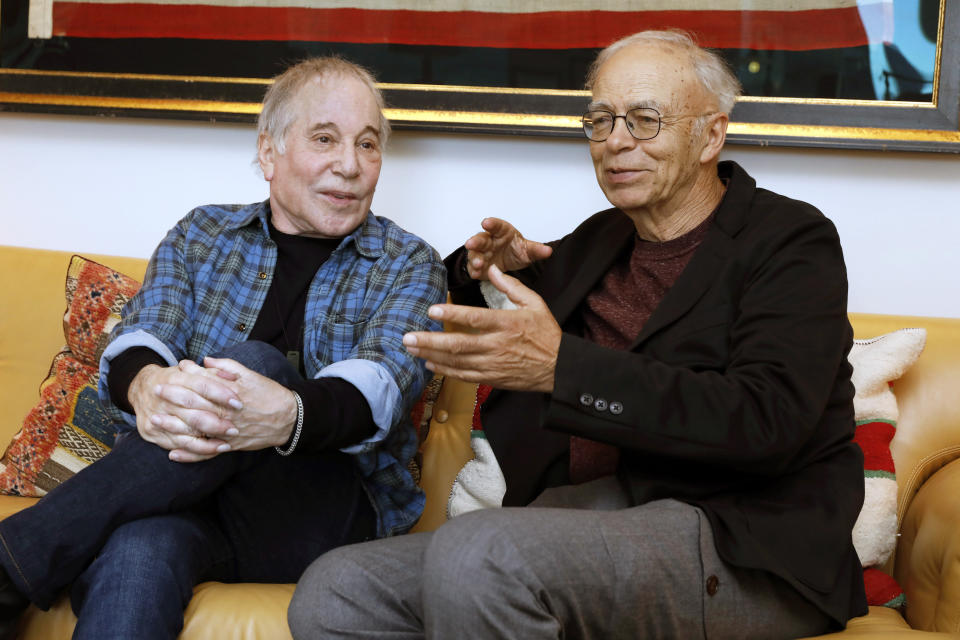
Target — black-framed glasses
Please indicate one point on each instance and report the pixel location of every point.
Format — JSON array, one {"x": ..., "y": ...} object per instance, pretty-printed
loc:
[{"x": 643, "y": 123}]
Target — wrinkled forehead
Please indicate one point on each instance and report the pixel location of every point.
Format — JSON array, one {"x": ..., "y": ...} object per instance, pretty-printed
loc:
[
  {"x": 655, "y": 75},
  {"x": 336, "y": 96}
]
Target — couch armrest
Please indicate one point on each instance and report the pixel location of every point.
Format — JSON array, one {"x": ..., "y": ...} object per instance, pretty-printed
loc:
[{"x": 928, "y": 553}]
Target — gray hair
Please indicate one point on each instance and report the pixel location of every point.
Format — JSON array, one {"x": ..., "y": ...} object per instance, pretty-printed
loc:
[
  {"x": 712, "y": 70},
  {"x": 278, "y": 112}
]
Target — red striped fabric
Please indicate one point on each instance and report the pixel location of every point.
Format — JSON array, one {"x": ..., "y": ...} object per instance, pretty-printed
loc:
[
  {"x": 874, "y": 439},
  {"x": 781, "y": 30},
  {"x": 882, "y": 590}
]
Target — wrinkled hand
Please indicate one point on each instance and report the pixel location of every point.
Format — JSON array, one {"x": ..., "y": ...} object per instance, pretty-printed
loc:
[
  {"x": 269, "y": 411},
  {"x": 508, "y": 349},
  {"x": 502, "y": 245},
  {"x": 186, "y": 412},
  {"x": 263, "y": 416}
]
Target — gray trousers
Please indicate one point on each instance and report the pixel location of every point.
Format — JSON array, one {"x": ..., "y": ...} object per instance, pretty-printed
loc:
[{"x": 575, "y": 564}]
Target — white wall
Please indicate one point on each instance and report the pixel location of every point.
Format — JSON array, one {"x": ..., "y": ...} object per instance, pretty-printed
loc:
[{"x": 116, "y": 185}]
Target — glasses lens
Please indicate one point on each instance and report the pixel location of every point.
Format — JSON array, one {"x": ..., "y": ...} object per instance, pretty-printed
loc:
[
  {"x": 643, "y": 123},
  {"x": 597, "y": 125}
]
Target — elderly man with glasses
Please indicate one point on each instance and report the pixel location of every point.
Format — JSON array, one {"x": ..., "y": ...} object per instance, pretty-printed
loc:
[{"x": 672, "y": 404}]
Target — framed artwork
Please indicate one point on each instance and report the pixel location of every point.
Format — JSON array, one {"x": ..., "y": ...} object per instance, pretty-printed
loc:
[{"x": 868, "y": 74}]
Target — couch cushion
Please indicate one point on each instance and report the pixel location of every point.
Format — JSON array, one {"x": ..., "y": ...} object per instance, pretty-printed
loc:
[{"x": 68, "y": 429}]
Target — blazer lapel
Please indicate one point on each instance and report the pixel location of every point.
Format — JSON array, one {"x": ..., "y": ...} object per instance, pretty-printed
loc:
[
  {"x": 575, "y": 274},
  {"x": 709, "y": 258},
  {"x": 696, "y": 278}
]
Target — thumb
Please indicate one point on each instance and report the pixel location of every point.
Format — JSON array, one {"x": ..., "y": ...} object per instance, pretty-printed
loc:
[
  {"x": 537, "y": 250},
  {"x": 518, "y": 294}
]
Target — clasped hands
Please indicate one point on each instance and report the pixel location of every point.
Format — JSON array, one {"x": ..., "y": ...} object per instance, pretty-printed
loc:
[
  {"x": 197, "y": 412},
  {"x": 505, "y": 348}
]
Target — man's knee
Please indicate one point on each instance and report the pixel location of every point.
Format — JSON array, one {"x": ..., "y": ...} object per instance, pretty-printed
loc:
[
  {"x": 476, "y": 544},
  {"x": 140, "y": 539},
  {"x": 325, "y": 594},
  {"x": 151, "y": 555},
  {"x": 156, "y": 544},
  {"x": 477, "y": 528},
  {"x": 263, "y": 358},
  {"x": 362, "y": 591}
]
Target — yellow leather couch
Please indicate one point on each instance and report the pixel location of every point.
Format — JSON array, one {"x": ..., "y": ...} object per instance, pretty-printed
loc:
[{"x": 926, "y": 450}]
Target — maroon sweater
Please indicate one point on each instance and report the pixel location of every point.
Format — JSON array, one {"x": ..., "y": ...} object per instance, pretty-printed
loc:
[{"x": 614, "y": 313}]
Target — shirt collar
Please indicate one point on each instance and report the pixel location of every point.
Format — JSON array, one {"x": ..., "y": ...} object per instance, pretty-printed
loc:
[
  {"x": 368, "y": 237},
  {"x": 246, "y": 215}
]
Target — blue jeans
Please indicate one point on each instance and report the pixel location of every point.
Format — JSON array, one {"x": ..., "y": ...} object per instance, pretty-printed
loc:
[{"x": 135, "y": 532}]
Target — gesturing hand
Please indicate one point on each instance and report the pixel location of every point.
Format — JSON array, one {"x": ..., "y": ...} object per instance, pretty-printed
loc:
[
  {"x": 508, "y": 349},
  {"x": 502, "y": 245}
]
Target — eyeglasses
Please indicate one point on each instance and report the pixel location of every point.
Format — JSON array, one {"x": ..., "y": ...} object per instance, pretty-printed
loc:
[{"x": 643, "y": 123}]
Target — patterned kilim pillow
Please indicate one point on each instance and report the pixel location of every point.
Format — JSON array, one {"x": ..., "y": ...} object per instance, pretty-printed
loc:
[
  {"x": 68, "y": 429},
  {"x": 877, "y": 362}
]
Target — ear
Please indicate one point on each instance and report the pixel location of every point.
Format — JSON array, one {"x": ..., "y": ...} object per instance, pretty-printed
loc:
[
  {"x": 714, "y": 137},
  {"x": 266, "y": 155}
]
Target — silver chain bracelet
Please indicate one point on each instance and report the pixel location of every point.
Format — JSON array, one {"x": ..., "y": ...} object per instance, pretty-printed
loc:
[{"x": 297, "y": 429}]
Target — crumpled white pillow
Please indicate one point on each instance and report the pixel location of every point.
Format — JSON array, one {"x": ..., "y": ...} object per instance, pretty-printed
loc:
[
  {"x": 480, "y": 483},
  {"x": 876, "y": 363}
]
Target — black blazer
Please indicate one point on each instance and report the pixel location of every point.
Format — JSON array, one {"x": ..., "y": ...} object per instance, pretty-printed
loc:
[{"x": 735, "y": 397}]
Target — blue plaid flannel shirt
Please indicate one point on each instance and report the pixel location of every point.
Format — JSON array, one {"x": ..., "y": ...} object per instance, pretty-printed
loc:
[{"x": 207, "y": 281}]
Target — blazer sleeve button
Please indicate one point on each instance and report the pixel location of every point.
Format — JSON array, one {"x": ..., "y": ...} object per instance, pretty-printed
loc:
[
  {"x": 616, "y": 408},
  {"x": 600, "y": 404},
  {"x": 586, "y": 399}
]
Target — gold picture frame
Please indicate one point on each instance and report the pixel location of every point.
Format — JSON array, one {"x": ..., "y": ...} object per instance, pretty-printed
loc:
[{"x": 932, "y": 125}]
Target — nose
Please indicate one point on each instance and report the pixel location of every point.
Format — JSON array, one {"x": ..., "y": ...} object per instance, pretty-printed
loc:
[
  {"x": 620, "y": 138},
  {"x": 348, "y": 162}
]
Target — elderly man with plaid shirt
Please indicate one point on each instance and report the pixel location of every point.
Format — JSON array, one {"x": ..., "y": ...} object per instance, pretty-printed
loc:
[{"x": 259, "y": 384}]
